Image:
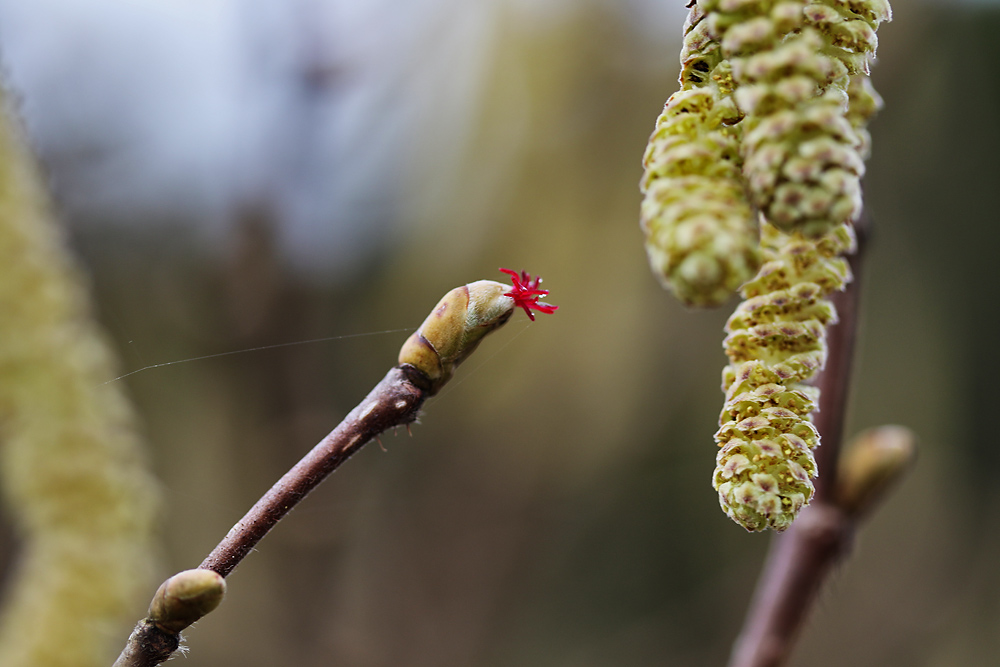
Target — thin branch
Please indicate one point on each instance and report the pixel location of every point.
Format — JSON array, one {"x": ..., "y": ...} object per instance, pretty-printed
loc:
[
  {"x": 427, "y": 360},
  {"x": 148, "y": 646},
  {"x": 797, "y": 565},
  {"x": 394, "y": 401},
  {"x": 801, "y": 558}
]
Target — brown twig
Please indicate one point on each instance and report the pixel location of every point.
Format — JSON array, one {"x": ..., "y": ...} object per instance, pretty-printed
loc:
[
  {"x": 452, "y": 331},
  {"x": 834, "y": 382},
  {"x": 801, "y": 558},
  {"x": 148, "y": 646},
  {"x": 394, "y": 401}
]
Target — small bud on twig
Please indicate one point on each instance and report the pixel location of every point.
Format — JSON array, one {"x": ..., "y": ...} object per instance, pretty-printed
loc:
[
  {"x": 186, "y": 597},
  {"x": 871, "y": 464},
  {"x": 461, "y": 320}
]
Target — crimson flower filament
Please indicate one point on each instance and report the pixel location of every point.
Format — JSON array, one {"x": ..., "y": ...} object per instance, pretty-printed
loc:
[{"x": 526, "y": 293}]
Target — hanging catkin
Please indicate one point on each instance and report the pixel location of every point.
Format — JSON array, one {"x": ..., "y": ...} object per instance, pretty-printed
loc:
[
  {"x": 701, "y": 232},
  {"x": 776, "y": 341},
  {"x": 768, "y": 128},
  {"x": 801, "y": 77},
  {"x": 72, "y": 471}
]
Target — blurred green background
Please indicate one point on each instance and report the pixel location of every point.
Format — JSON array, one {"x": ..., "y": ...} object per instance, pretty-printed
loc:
[{"x": 554, "y": 506}]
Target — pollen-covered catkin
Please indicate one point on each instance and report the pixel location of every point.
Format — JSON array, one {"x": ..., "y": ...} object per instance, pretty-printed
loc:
[
  {"x": 776, "y": 341},
  {"x": 792, "y": 63},
  {"x": 701, "y": 232}
]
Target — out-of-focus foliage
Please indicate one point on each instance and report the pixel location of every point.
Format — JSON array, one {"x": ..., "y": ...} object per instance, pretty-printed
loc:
[{"x": 555, "y": 506}]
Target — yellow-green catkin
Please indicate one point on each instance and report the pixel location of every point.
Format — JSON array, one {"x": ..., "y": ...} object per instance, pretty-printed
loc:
[
  {"x": 792, "y": 63},
  {"x": 701, "y": 232},
  {"x": 71, "y": 469},
  {"x": 776, "y": 342}
]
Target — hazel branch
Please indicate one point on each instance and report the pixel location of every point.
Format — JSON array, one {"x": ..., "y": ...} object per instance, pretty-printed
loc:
[
  {"x": 394, "y": 401},
  {"x": 427, "y": 361},
  {"x": 834, "y": 382}
]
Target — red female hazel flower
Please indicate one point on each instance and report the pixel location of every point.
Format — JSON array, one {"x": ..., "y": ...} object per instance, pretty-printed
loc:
[{"x": 526, "y": 293}]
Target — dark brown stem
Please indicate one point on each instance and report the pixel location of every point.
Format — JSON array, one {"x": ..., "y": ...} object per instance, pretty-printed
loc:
[
  {"x": 148, "y": 646},
  {"x": 394, "y": 401},
  {"x": 801, "y": 558},
  {"x": 796, "y": 567}
]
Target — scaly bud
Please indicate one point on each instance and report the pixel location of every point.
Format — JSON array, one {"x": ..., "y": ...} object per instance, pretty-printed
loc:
[
  {"x": 186, "y": 597},
  {"x": 871, "y": 464},
  {"x": 462, "y": 319}
]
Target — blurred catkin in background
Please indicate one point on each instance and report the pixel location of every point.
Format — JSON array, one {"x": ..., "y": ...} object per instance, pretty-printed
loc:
[{"x": 72, "y": 468}]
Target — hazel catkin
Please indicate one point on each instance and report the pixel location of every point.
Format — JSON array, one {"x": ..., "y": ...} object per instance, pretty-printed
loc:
[{"x": 701, "y": 232}]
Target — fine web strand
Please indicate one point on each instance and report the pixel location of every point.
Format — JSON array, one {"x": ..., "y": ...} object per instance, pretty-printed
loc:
[{"x": 254, "y": 349}]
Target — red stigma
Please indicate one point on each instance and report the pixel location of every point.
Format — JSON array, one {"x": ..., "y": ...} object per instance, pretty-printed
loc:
[{"x": 526, "y": 293}]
